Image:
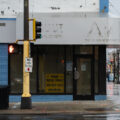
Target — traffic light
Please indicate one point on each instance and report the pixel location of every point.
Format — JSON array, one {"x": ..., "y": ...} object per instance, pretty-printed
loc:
[
  {"x": 37, "y": 29},
  {"x": 13, "y": 48}
]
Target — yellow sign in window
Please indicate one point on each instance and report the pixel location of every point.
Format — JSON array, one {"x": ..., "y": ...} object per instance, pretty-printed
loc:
[{"x": 54, "y": 83}]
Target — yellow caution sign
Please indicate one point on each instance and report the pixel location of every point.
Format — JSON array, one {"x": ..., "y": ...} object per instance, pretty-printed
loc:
[{"x": 54, "y": 83}]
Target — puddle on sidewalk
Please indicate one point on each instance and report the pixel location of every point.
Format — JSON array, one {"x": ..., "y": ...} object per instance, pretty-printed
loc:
[{"x": 99, "y": 109}]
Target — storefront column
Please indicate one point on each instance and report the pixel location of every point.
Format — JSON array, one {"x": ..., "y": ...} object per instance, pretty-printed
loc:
[{"x": 102, "y": 72}]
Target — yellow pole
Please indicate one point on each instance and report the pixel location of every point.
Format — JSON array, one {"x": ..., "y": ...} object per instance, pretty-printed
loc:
[
  {"x": 26, "y": 75},
  {"x": 26, "y": 96}
]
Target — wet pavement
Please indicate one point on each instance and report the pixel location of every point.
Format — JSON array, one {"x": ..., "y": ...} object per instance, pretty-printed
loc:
[
  {"x": 71, "y": 107},
  {"x": 61, "y": 117},
  {"x": 69, "y": 110},
  {"x": 113, "y": 92}
]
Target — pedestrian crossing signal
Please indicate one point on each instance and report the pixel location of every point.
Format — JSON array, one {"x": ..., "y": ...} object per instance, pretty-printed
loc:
[{"x": 11, "y": 49}]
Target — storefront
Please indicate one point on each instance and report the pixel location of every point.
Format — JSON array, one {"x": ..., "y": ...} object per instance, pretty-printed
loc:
[{"x": 61, "y": 70}]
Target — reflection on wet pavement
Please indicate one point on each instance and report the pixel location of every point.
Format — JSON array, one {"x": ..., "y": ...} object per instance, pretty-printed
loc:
[
  {"x": 113, "y": 92},
  {"x": 61, "y": 117}
]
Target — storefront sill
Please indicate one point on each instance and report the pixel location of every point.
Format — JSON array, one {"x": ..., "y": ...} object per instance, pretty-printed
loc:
[
  {"x": 100, "y": 97},
  {"x": 43, "y": 98}
]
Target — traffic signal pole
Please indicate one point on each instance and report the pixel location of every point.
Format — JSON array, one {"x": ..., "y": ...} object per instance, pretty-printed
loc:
[{"x": 26, "y": 96}]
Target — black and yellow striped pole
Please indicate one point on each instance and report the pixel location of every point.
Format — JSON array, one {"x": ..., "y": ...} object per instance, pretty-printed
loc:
[{"x": 26, "y": 96}]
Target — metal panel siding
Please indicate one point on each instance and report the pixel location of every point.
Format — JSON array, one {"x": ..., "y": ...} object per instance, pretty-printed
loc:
[
  {"x": 43, "y": 98},
  {"x": 7, "y": 18},
  {"x": 100, "y": 97},
  {"x": 104, "y": 6},
  {"x": 3, "y": 64},
  {"x": 8, "y": 31}
]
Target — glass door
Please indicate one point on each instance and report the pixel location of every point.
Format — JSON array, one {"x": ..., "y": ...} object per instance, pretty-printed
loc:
[{"x": 83, "y": 78}]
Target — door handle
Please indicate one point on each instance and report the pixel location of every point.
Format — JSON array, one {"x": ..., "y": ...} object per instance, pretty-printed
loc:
[{"x": 76, "y": 74}]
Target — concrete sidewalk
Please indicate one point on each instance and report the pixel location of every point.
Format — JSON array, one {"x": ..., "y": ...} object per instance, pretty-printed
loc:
[{"x": 70, "y": 107}]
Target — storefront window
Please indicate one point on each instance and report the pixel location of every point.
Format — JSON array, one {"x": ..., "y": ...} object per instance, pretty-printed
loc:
[
  {"x": 96, "y": 69},
  {"x": 69, "y": 69},
  {"x": 51, "y": 69},
  {"x": 16, "y": 75},
  {"x": 33, "y": 75},
  {"x": 83, "y": 50}
]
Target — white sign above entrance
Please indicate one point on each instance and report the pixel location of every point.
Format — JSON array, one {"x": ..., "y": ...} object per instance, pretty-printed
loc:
[
  {"x": 75, "y": 28},
  {"x": 28, "y": 64}
]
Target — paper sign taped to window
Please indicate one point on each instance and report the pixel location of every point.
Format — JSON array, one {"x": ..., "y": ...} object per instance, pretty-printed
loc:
[
  {"x": 54, "y": 83},
  {"x": 83, "y": 67},
  {"x": 69, "y": 66}
]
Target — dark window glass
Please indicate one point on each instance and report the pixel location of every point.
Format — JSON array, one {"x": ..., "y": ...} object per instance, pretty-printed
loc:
[
  {"x": 96, "y": 69},
  {"x": 69, "y": 69},
  {"x": 51, "y": 69},
  {"x": 83, "y": 49},
  {"x": 33, "y": 75},
  {"x": 16, "y": 72}
]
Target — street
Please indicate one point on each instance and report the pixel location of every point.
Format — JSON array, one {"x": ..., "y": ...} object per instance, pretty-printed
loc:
[{"x": 61, "y": 117}]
